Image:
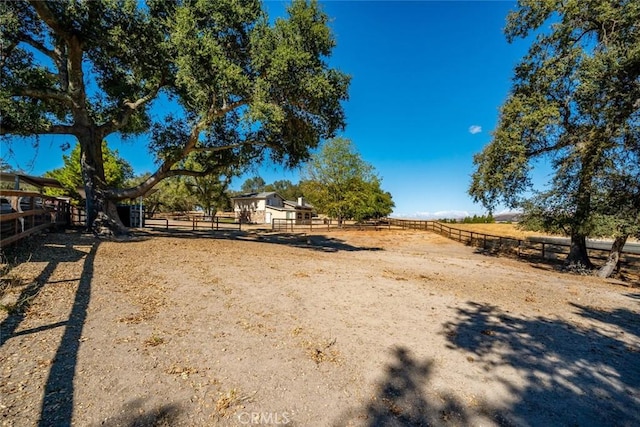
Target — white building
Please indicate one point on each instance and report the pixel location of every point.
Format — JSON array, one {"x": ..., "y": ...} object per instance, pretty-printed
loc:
[{"x": 263, "y": 208}]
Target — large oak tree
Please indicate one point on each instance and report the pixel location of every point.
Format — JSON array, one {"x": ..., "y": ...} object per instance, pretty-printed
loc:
[
  {"x": 575, "y": 104},
  {"x": 214, "y": 79}
]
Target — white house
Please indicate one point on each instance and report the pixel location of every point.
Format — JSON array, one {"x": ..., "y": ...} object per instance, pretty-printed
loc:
[{"x": 263, "y": 208}]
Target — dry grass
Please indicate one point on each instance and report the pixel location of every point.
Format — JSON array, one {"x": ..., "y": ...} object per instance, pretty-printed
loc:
[
  {"x": 498, "y": 229},
  {"x": 321, "y": 351},
  {"x": 228, "y": 402},
  {"x": 154, "y": 341}
]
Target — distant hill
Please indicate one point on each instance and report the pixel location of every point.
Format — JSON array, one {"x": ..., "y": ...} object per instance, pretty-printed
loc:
[{"x": 507, "y": 217}]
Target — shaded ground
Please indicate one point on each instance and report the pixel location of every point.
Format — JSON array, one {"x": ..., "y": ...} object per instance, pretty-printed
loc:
[{"x": 386, "y": 328}]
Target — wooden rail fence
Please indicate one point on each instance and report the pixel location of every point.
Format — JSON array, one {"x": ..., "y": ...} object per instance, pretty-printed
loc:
[
  {"x": 291, "y": 224},
  {"x": 215, "y": 224},
  {"x": 24, "y": 213},
  {"x": 550, "y": 250},
  {"x": 194, "y": 222}
]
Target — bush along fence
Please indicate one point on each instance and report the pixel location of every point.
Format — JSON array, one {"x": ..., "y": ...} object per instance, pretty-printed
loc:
[
  {"x": 551, "y": 249},
  {"x": 24, "y": 213}
]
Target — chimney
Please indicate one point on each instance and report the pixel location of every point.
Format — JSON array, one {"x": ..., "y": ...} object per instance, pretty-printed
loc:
[{"x": 300, "y": 201}]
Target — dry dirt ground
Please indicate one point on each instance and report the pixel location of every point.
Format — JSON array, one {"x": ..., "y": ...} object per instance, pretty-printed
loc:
[{"x": 386, "y": 328}]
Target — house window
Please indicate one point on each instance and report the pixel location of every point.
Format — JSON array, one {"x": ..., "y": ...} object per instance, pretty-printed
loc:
[
  {"x": 307, "y": 216},
  {"x": 299, "y": 216}
]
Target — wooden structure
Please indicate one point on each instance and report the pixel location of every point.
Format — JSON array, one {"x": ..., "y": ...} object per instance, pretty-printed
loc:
[
  {"x": 550, "y": 249},
  {"x": 24, "y": 210},
  {"x": 23, "y": 213}
]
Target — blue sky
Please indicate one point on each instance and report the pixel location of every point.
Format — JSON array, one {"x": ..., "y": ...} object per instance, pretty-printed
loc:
[{"x": 428, "y": 78}]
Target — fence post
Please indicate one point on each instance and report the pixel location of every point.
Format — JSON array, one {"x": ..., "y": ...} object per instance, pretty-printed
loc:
[
  {"x": 543, "y": 250},
  {"x": 484, "y": 243},
  {"x": 32, "y": 206},
  {"x": 193, "y": 223}
]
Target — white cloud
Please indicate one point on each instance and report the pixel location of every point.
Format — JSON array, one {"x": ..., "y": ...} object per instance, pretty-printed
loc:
[{"x": 475, "y": 129}]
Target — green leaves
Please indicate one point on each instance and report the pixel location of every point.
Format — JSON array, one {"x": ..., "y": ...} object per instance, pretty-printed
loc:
[
  {"x": 573, "y": 104},
  {"x": 117, "y": 170},
  {"x": 212, "y": 79},
  {"x": 342, "y": 185}
]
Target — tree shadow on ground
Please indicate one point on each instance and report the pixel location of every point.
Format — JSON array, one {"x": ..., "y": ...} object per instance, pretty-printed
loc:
[
  {"x": 51, "y": 249},
  {"x": 624, "y": 319},
  {"x": 534, "y": 260},
  {"x": 557, "y": 262},
  {"x": 634, "y": 296},
  {"x": 314, "y": 242},
  {"x": 565, "y": 374},
  {"x": 401, "y": 399},
  {"x": 133, "y": 414},
  {"x": 57, "y": 403}
]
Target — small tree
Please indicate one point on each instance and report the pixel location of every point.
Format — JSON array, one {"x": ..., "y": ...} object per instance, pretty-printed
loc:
[
  {"x": 117, "y": 171},
  {"x": 209, "y": 191},
  {"x": 253, "y": 185},
  {"x": 285, "y": 188},
  {"x": 342, "y": 185}
]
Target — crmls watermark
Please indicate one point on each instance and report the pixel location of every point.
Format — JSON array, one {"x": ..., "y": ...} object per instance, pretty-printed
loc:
[{"x": 277, "y": 418}]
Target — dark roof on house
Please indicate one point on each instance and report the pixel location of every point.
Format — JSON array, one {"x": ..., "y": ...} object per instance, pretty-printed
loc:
[
  {"x": 291, "y": 203},
  {"x": 262, "y": 195},
  {"x": 294, "y": 203}
]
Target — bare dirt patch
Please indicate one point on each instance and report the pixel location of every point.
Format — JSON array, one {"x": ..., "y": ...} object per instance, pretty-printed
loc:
[{"x": 360, "y": 328}]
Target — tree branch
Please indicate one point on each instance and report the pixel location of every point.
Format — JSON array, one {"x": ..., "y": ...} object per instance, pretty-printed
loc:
[
  {"x": 47, "y": 130},
  {"x": 127, "y": 110},
  {"x": 46, "y": 15},
  {"x": 214, "y": 149},
  {"x": 165, "y": 171},
  {"x": 5, "y": 52},
  {"x": 74, "y": 59},
  {"x": 46, "y": 95},
  {"x": 40, "y": 47},
  {"x": 219, "y": 112},
  {"x": 60, "y": 130}
]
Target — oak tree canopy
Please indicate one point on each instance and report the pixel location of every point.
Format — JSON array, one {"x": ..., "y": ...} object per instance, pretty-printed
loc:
[
  {"x": 574, "y": 105},
  {"x": 212, "y": 79}
]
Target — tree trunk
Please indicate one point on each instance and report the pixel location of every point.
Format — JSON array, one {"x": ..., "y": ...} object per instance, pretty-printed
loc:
[
  {"x": 590, "y": 158},
  {"x": 102, "y": 213},
  {"x": 614, "y": 257},
  {"x": 578, "y": 257}
]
